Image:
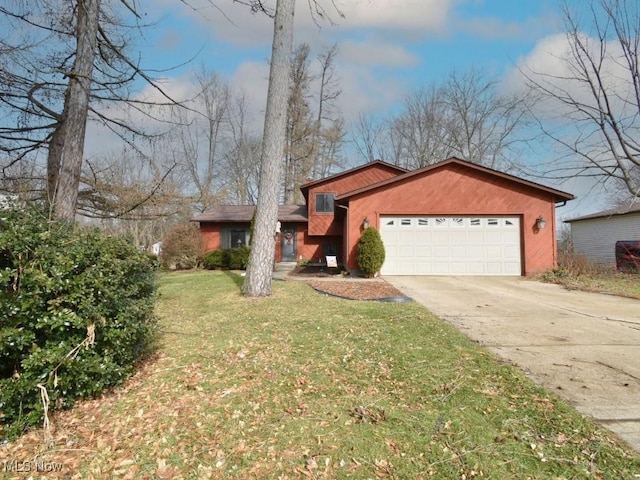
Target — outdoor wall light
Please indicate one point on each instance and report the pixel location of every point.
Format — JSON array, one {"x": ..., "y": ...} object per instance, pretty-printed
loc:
[
  {"x": 365, "y": 223},
  {"x": 541, "y": 222}
]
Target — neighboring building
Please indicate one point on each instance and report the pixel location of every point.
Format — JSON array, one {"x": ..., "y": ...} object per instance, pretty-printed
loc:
[
  {"x": 451, "y": 218},
  {"x": 594, "y": 236},
  {"x": 156, "y": 249}
]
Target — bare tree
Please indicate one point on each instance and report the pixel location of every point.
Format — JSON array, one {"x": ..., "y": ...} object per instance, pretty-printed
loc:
[
  {"x": 596, "y": 96},
  {"x": 260, "y": 269},
  {"x": 200, "y": 139},
  {"x": 62, "y": 60},
  {"x": 465, "y": 116},
  {"x": 66, "y": 147},
  {"x": 242, "y": 161},
  {"x": 370, "y": 138},
  {"x": 259, "y": 275},
  {"x": 301, "y": 127}
]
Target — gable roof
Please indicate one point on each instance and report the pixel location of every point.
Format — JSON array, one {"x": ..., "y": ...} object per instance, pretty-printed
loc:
[
  {"x": 378, "y": 163},
  {"x": 244, "y": 213},
  {"x": 559, "y": 195},
  {"x": 612, "y": 212}
]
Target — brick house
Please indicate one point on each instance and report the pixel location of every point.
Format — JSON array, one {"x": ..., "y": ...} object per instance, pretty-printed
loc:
[{"x": 450, "y": 218}]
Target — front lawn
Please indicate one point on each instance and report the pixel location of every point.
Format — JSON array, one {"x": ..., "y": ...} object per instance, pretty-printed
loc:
[{"x": 301, "y": 385}]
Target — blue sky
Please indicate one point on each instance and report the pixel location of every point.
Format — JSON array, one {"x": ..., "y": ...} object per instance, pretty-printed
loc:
[
  {"x": 443, "y": 35},
  {"x": 386, "y": 47}
]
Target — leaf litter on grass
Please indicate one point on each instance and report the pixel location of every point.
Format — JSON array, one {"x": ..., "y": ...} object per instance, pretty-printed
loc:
[{"x": 300, "y": 385}]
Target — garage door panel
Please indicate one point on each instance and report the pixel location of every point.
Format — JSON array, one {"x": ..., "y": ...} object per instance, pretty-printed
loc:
[
  {"x": 451, "y": 245},
  {"x": 422, "y": 251}
]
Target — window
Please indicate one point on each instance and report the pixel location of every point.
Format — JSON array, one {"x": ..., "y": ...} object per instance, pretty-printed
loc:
[
  {"x": 405, "y": 222},
  {"x": 423, "y": 222},
  {"x": 493, "y": 222},
  {"x": 475, "y": 222},
  {"x": 457, "y": 222},
  {"x": 235, "y": 237},
  {"x": 324, "y": 202}
]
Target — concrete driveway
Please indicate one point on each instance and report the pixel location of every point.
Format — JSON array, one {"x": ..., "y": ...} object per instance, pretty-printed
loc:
[{"x": 583, "y": 346}]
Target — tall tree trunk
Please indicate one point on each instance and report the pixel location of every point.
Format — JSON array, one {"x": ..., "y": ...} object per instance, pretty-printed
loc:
[
  {"x": 64, "y": 162},
  {"x": 257, "y": 282}
]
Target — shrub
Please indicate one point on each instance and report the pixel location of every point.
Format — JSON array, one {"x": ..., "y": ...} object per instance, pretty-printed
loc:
[
  {"x": 214, "y": 259},
  {"x": 233, "y": 258},
  {"x": 370, "y": 252},
  {"x": 77, "y": 310},
  {"x": 182, "y": 247},
  {"x": 238, "y": 258}
]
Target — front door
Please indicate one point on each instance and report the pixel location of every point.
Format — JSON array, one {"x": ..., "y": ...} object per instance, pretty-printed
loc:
[{"x": 288, "y": 244}]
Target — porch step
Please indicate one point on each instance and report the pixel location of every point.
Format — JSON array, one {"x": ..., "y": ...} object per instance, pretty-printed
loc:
[{"x": 285, "y": 266}]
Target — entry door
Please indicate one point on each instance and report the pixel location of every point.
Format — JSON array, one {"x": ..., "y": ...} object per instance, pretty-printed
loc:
[{"x": 288, "y": 244}]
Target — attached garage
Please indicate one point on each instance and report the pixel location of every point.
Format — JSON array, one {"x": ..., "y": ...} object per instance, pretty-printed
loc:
[
  {"x": 455, "y": 218},
  {"x": 451, "y": 245}
]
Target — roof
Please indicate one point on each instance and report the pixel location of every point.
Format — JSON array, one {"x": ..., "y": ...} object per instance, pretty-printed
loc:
[
  {"x": 345, "y": 173},
  {"x": 244, "y": 213},
  {"x": 612, "y": 212},
  {"x": 559, "y": 195}
]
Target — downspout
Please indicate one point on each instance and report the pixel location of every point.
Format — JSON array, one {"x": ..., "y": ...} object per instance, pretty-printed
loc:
[{"x": 345, "y": 240}]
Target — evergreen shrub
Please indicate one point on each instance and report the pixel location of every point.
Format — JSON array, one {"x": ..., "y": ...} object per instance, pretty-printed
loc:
[
  {"x": 370, "y": 253},
  {"x": 77, "y": 314},
  {"x": 214, "y": 259},
  {"x": 229, "y": 258}
]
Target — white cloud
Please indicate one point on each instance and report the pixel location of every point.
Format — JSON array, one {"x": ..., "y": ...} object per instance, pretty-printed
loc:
[
  {"x": 236, "y": 24},
  {"x": 552, "y": 64},
  {"x": 374, "y": 54},
  {"x": 426, "y": 15}
]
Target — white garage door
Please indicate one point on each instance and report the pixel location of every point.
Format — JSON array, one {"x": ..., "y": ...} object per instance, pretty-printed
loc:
[{"x": 432, "y": 245}]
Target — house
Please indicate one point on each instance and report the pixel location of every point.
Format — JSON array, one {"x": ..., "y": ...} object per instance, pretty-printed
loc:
[
  {"x": 450, "y": 218},
  {"x": 594, "y": 236}
]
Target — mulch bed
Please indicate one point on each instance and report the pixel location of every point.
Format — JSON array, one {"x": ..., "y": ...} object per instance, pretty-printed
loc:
[
  {"x": 333, "y": 282},
  {"x": 367, "y": 289}
]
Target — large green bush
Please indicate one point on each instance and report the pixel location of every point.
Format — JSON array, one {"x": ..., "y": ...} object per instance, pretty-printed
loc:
[
  {"x": 76, "y": 311},
  {"x": 214, "y": 260},
  {"x": 233, "y": 258},
  {"x": 370, "y": 252},
  {"x": 239, "y": 258}
]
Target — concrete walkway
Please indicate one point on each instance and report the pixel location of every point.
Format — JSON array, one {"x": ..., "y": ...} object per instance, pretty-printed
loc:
[{"x": 583, "y": 346}]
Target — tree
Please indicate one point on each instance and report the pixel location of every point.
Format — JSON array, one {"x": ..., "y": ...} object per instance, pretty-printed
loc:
[
  {"x": 60, "y": 61},
  {"x": 370, "y": 252},
  {"x": 313, "y": 139},
  {"x": 66, "y": 147},
  {"x": 199, "y": 138},
  {"x": 595, "y": 96},
  {"x": 260, "y": 269},
  {"x": 466, "y": 116},
  {"x": 300, "y": 148}
]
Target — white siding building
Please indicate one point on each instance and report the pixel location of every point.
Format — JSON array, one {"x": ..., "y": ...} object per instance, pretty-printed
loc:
[{"x": 594, "y": 236}]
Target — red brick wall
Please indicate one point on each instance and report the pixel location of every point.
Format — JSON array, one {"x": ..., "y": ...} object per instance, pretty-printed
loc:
[
  {"x": 326, "y": 223},
  {"x": 210, "y": 233},
  {"x": 458, "y": 190}
]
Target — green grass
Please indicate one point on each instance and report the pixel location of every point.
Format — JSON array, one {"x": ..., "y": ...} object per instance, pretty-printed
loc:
[{"x": 300, "y": 385}]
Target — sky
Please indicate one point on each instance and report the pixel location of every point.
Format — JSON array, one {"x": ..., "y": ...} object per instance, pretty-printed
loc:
[{"x": 386, "y": 49}]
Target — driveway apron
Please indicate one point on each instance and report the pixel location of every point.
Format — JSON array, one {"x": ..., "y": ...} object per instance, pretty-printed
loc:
[{"x": 583, "y": 346}]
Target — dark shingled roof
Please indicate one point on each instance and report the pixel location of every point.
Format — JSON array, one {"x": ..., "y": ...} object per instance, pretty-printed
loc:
[
  {"x": 243, "y": 214},
  {"x": 612, "y": 212}
]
